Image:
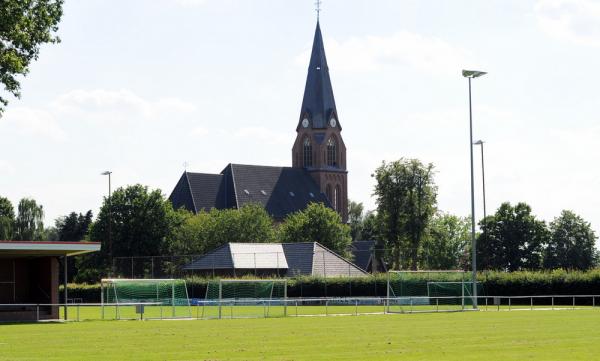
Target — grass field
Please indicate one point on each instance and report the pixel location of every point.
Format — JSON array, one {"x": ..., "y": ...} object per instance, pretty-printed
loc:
[{"x": 537, "y": 335}]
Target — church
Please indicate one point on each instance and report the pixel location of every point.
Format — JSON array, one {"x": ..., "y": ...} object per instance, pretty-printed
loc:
[{"x": 318, "y": 172}]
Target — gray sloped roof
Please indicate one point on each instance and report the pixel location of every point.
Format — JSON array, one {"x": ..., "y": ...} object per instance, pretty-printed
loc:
[
  {"x": 281, "y": 190},
  {"x": 318, "y": 102},
  {"x": 327, "y": 263},
  {"x": 303, "y": 258}
]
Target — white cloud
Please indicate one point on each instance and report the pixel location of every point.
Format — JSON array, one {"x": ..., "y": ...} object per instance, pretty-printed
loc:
[
  {"x": 29, "y": 121},
  {"x": 262, "y": 135},
  {"x": 190, "y": 3},
  {"x": 571, "y": 20},
  {"x": 200, "y": 131},
  {"x": 403, "y": 49},
  {"x": 120, "y": 103},
  {"x": 6, "y": 168}
]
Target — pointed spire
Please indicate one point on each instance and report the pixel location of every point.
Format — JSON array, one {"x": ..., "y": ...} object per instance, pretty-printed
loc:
[{"x": 318, "y": 104}]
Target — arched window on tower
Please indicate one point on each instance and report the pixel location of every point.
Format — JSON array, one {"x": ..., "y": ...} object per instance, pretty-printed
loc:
[
  {"x": 338, "y": 198},
  {"x": 307, "y": 152},
  {"x": 329, "y": 194},
  {"x": 331, "y": 152}
]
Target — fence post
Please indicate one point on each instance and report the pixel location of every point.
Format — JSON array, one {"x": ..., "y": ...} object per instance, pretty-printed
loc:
[
  {"x": 509, "y": 302},
  {"x": 411, "y": 305},
  {"x": 593, "y": 301},
  {"x": 37, "y": 310},
  {"x": 326, "y": 308},
  {"x": 296, "y": 308},
  {"x": 437, "y": 305},
  {"x": 552, "y": 303},
  {"x": 356, "y": 307},
  {"x": 573, "y": 302},
  {"x": 532, "y": 303},
  {"x": 78, "y": 305}
]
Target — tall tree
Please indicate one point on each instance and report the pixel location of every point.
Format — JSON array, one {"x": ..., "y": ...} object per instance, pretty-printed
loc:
[
  {"x": 406, "y": 200},
  {"x": 572, "y": 243},
  {"x": 317, "y": 223},
  {"x": 446, "y": 242},
  {"x": 73, "y": 227},
  {"x": 355, "y": 219},
  {"x": 514, "y": 239},
  {"x": 7, "y": 219},
  {"x": 142, "y": 222},
  {"x": 24, "y": 26},
  {"x": 29, "y": 224}
]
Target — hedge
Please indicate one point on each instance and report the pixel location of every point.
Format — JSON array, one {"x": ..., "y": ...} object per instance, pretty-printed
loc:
[{"x": 522, "y": 283}]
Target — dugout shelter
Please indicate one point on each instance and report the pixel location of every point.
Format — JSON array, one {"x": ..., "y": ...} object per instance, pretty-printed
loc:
[{"x": 30, "y": 276}]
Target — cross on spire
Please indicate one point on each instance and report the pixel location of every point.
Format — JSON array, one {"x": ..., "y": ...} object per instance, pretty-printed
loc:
[{"x": 318, "y": 8}]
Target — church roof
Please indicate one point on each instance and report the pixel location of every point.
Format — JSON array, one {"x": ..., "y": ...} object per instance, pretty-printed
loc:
[
  {"x": 281, "y": 190},
  {"x": 318, "y": 102}
]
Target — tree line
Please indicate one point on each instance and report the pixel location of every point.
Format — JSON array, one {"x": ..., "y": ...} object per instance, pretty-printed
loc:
[
  {"x": 412, "y": 233},
  {"x": 409, "y": 230}
]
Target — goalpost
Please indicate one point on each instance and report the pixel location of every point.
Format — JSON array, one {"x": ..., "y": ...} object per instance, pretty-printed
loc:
[
  {"x": 152, "y": 297},
  {"x": 246, "y": 298},
  {"x": 429, "y": 290}
]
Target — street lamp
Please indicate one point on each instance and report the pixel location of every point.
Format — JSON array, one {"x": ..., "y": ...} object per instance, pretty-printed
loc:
[
  {"x": 470, "y": 74},
  {"x": 110, "y": 254}
]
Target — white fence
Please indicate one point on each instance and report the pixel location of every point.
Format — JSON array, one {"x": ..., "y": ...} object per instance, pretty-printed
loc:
[{"x": 295, "y": 307}]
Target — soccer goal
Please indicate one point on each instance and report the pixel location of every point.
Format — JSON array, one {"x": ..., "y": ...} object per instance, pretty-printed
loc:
[
  {"x": 238, "y": 298},
  {"x": 427, "y": 291},
  {"x": 149, "y": 298}
]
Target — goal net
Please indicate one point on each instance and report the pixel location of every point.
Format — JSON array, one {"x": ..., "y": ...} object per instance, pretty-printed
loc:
[
  {"x": 426, "y": 291},
  {"x": 154, "y": 298},
  {"x": 233, "y": 298}
]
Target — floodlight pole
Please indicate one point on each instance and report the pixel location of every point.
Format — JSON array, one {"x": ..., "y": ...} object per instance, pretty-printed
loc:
[
  {"x": 110, "y": 252},
  {"x": 472, "y": 74}
]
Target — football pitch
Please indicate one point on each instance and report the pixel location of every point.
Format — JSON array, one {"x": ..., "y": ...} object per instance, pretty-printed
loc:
[{"x": 539, "y": 335}]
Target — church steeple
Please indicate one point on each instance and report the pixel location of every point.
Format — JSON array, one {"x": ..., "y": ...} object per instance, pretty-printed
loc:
[
  {"x": 318, "y": 104},
  {"x": 319, "y": 147}
]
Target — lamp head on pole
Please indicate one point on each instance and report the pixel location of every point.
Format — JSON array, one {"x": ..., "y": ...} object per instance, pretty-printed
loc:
[
  {"x": 479, "y": 142},
  {"x": 106, "y": 173},
  {"x": 473, "y": 73}
]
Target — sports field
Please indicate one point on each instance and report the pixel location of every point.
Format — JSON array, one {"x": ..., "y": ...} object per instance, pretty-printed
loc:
[{"x": 519, "y": 335}]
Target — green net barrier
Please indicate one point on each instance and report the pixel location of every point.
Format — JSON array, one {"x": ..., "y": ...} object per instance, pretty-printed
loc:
[
  {"x": 161, "y": 298},
  {"x": 245, "y": 298},
  {"x": 430, "y": 291}
]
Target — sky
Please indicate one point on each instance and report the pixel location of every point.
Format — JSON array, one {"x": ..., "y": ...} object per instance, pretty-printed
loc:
[{"x": 143, "y": 88}]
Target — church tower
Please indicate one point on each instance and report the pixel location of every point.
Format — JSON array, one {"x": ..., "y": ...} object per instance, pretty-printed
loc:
[{"x": 319, "y": 147}]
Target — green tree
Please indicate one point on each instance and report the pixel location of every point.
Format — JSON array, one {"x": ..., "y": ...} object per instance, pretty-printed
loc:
[
  {"x": 73, "y": 227},
  {"x": 406, "y": 200},
  {"x": 7, "y": 219},
  {"x": 142, "y": 222},
  {"x": 200, "y": 233},
  {"x": 29, "y": 224},
  {"x": 514, "y": 239},
  {"x": 24, "y": 26},
  {"x": 572, "y": 243},
  {"x": 317, "y": 223},
  {"x": 355, "y": 219},
  {"x": 446, "y": 242}
]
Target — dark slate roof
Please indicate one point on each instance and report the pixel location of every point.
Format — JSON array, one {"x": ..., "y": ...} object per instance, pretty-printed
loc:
[
  {"x": 318, "y": 102},
  {"x": 218, "y": 258},
  {"x": 200, "y": 191},
  {"x": 281, "y": 190},
  {"x": 327, "y": 263},
  {"x": 299, "y": 257},
  {"x": 362, "y": 251}
]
